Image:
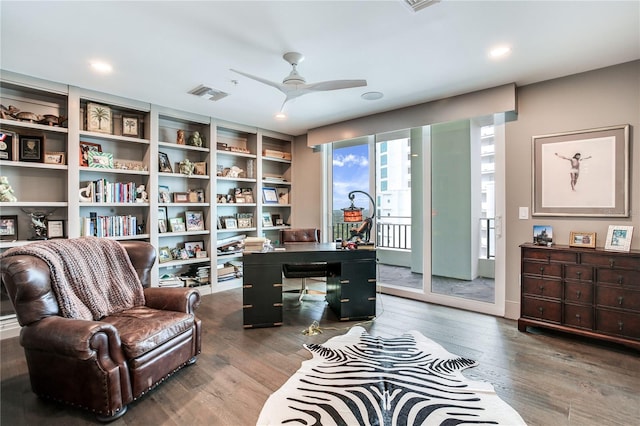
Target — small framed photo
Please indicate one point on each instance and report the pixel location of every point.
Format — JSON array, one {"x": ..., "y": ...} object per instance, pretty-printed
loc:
[
  {"x": 619, "y": 238},
  {"x": 85, "y": 148},
  {"x": 180, "y": 197},
  {"x": 277, "y": 220},
  {"x": 193, "y": 247},
  {"x": 200, "y": 168},
  {"x": 164, "y": 196},
  {"x": 130, "y": 126},
  {"x": 176, "y": 224},
  {"x": 31, "y": 148},
  {"x": 164, "y": 255},
  {"x": 582, "y": 239},
  {"x": 162, "y": 220},
  {"x": 245, "y": 222},
  {"x": 164, "y": 165},
  {"x": 8, "y": 143},
  {"x": 542, "y": 235},
  {"x": 99, "y": 118},
  {"x": 230, "y": 223},
  {"x": 9, "y": 227},
  {"x": 54, "y": 157},
  {"x": 266, "y": 220},
  {"x": 55, "y": 229},
  {"x": 100, "y": 160},
  {"x": 196, "y": 195},
  {"x": 270, "y": 195},
  {"x": 195, "y": 220}
]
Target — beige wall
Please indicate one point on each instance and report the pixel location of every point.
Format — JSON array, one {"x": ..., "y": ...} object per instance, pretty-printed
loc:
[{"x": 306, "y": 193}]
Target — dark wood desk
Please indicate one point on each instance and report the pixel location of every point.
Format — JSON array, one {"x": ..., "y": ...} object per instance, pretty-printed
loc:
[{"x": 351, "y": 282}]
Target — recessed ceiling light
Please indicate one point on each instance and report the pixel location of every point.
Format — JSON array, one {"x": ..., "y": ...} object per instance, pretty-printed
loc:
[
  {"x": 371, "y": 96},
  {"x": 499, "y": 52},
  {"x": 281, "y": 116},
  {"x": 101, "y": 67}
]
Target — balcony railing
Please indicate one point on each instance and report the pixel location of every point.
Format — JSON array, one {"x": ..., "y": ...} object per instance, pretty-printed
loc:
[{"x": 391, "y": 232}]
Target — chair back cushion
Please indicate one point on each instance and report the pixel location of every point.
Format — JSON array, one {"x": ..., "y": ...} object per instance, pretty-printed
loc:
[{"x": 301, "y": 235}]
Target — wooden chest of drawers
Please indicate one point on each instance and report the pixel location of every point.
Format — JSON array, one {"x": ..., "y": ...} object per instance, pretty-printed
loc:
[{"x": 589, "y": 292}]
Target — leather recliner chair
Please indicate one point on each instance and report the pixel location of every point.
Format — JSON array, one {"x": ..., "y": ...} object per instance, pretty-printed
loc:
[{"x": 103, "y": 365}]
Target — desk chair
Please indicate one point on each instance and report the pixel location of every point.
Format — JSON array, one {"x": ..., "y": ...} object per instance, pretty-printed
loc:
[{"x": 303, "y": 270}]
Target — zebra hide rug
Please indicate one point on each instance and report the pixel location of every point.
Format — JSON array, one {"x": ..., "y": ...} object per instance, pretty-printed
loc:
[{"x": 359, "y": 379}]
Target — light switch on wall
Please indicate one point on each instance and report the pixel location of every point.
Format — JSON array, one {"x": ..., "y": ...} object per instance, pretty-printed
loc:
[{"x": 523, "y": 213}]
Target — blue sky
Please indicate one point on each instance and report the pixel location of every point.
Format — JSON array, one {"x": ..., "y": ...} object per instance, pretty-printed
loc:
[{"x": 351, "y": 172}]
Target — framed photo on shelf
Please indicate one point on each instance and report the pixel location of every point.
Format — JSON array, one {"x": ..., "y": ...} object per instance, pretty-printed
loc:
[
  {"x": 130, "y": 126},
  {"x": 270, "y": 195},
  {"x": 98, "y": 118},
  {"x": 54, "y": 157},
  {"x": 180, "y": 197},
  {"x": 9, "y": 228},
  {"x": 176, "y": 224},
  {"x": 85, "y": 148},
  {"x": 266, "y": 220},
  {"x": 164, "y": 165},
  {"x": 230, "y": 223},
  {"x": 193, "y": 248},
  {"x": 164, "y": 255},
  {"x": 100, "y": 160},
  {"x": 277, "y": 220},
  {"x": 8, "y": 144},
  {"x": 195, "y": 220},
  {"x": 283, "y": 195},
  {"x": 164, "y": 196},
  {"x": 200, "y": 168},
  {"x": 619, "y": 238},
  {"x": 582, "y": 239},
  {"x": 245, "y": 222},
  {"x": 582, "y": 173},
  {"x": 55, "y": 229},
  {"x": 162, "y": 220},
  {"x": 31, "y": 148}
]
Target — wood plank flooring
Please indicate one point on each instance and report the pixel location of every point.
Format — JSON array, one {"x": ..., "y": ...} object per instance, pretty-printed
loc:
[{"x": 549, "y": 378}]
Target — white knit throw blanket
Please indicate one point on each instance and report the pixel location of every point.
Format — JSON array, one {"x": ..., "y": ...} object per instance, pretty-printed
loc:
[{"x": 91, "y": 277}]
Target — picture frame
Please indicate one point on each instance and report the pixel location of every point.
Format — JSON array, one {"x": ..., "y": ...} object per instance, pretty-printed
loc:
[
  {"x": 85, "y": 148},
  {"x": 162, "y": 220},
  {"x": 193, "y": 248},
  {"x": 54, "y": 158},
  {"x": 99, "y": 118},
  {"x": 269, "y": 195},
  {"x": 164, "y": 196},
  {"x": 582, "y": 239},
  {"x": 266, "y": 220},
  {"x": 55, "y": 228},
  {"x": 619, "y": 238},
  {"x": 164, "y": 255},
  {"x": 8, "y": 145},
  {"x": 582, "y": 173},
  {"x": 180, "y": 197},
  {"x": 277, "y": 219},
  {"x": 31, "y": 149},
  {"x": 542, "y": 235},
  {"x": 195, "y": 220},
  {"x": 8, "y": 227},
  {"x": 100, "y": 160},
  {"x": 200, "y": 168},
  {"x": 245, "y": 222},
  {"x": 283, "y": 195},
  {"x": 176, "y": 224},
  {"x": 164, "y": 165},
  {"x": 130, "y": 126},
  {"x": 230, "y": 223}
]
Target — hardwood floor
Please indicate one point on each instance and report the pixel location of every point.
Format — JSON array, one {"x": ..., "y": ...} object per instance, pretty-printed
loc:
[{"x": 549, "y": 378}]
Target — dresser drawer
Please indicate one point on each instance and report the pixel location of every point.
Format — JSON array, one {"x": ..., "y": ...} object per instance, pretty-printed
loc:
[
  {"x": 552, "y": 270},
  {"x": 616, "y": 297},
  {"x": 549, "y": 256},
  {"x": 610, "y": 260},
  {"x": 546, "y": 310},
  {"x": 578, "y": 316},
  {"x": 619, "y": 323},
  {"x": 618, "y": 276},
  {"x": 542, "y": 287},
  {"x": 578, "y": 273},
  {"x": 577, "y": 292}
]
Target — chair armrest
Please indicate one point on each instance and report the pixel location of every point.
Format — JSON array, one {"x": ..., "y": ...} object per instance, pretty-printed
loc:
[{"x": 173, "y": 299}]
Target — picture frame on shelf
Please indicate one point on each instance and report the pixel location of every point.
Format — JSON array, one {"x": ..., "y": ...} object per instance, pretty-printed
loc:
[
  {"x": 55, "y": 228},
  {"x": 164, "y": 254},
  {"x": 31, "y": 149},
  {"x": 85, "y": 148},
  {"x": 99, "y": 118},
  {"x": 245, "y": 222},
  {"x": 8, "y": 227},
  {"x": 130, "y": 126},
  {"x": 195, "y": 220},
  {"x": 162, "y": 220},
  {"x": 100, "y": 160},
  {"x": 54, "y": 158},
  {"x": 176, "y": 224},
  {"x": 619, "y": 238},
  {"x": 542, "y": 235},
  {"x": 230, "y": 223},
  {"x": 283, "y": 195},
  {"x": 277, "y": 219},
  {"x": 582, "y": 239},
  {"x": 164, "y": 165},
  {"x": 121, "y": 164},
  {"x": 164, "y": 196},
  {"x": 8, "y": 145},
  {"x": 193, "y": 248},
  {"x": 200, "y": 168},
  {"x": 269, "y": 195},
  {"x": 199, "y": 195},
  {"x": 266, "y": 220},
  {"x": 582, "y": 173},
  {"x": 180, "y": 197}
]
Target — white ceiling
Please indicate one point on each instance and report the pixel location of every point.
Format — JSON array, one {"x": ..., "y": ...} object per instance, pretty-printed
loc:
[{"x": 162, "y": 49}]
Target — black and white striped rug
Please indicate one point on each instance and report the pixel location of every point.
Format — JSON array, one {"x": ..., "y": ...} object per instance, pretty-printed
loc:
[{"x": 359, "y": 379}]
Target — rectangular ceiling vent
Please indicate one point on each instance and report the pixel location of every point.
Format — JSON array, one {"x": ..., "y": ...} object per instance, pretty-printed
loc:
[
  {"x": 417, "y": 5},
  {"x": 214, "y": 94}
]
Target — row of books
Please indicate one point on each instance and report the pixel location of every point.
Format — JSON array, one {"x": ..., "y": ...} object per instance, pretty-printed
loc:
[
  {"x": 109, "y": 226},
  {"x": 103, "y": 191},
  {"x": 229, "y": 270}
]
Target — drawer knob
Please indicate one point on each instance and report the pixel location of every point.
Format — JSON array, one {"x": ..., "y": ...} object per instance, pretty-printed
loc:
[
  {"x": 541, "y": 270},
  {"x": 620, "y": 300},
  {"x": 540, "y": 309},
  {"x": 578, "y": 294},
  {"x": 620, "y": 325},
  {"x": 611, "y": 263},
  {"x": 541, "y": 288},
  {"x": 579, "y": 273},
  {"x": 619, "y": 279},
  {"x": 578, "y": 317}
]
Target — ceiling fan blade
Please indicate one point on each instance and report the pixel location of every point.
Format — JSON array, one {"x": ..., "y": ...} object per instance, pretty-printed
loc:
[
  {"x": 335, "y": 85},
  {"x": 278, "y": 86}
]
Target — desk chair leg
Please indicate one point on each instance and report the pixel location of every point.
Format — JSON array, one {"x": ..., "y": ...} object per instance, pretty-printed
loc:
[{"x": 303, "y": 289}]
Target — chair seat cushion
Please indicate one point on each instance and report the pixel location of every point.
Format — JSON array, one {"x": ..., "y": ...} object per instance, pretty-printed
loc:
[{"x": 143, "y": 329}]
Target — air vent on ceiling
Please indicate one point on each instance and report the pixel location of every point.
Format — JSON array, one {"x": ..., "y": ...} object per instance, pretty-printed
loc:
[
  {"x": 214, "y": 94},
  {"x": 417, "y": 5}
]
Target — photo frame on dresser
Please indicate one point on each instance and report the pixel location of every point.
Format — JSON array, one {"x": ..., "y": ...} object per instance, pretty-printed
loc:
[
  {"x": 582, "y": 239},
  {"x": 619, "y": 238}
]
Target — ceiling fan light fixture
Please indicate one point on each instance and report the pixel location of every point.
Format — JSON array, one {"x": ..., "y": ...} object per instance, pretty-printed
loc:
[
  {"x": 372, "y": 96},
  {"x": 281, "y": 116}
]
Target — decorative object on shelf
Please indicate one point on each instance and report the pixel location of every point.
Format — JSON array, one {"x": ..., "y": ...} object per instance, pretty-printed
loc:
[
  {"x": 86, "y": 193},
  {"x": 619, "y": 238},
  {"x": 177, "y": 224},
  {"x": 563, "y": 186},
  {"x": 283, "y": 195},
  {"x": 85, "y": 148},
  {"x": 6, "y": 191},
  {"x": 233, "y": 172},
  {"x": 130, "y": 126},
  {"x": 269, "y": 195},
  {"x": 164, "y": 255},
  {"x": 193, "y": 248},
  {"x": 180, "y": 197},
  {"x": 141, "y": 194},
  {"x": 13, "y": 113},
  {"x": 219, "y": 170},
  {"x": 8, "y": 228},
  {"x": 196, "y": 195},
  {"x": 245, "y": 220},
  {"x": 164, "y": 165},
  {"x": 164, "y": 196},
  {"x": 582, "y": 239},
  {"x": 138, "y": 166},
  {"x": 100, "y": 160},
  {"x": 277, "y": 220},
  {"x": 542, "y": 235},
  {"x": 98, "y": 118},
  {"x": 196, "y": 139},
  {"x": 354, "y": 214},
  {"x": 180, "y": 137},
  {"x": 266, "y": 220},
  {"x": 29, "y": 117},
  {"x": 54, "y": 158},
  {"x": 195, "y": 220},
  {"x": 162, "y": 219},
  {"x": 200, "y": 168},
  {"x": 271, "y": 153},
  {"x": 31, "y": 148},
  {"x": 186, "y": 167},
  {"x": 55, "y": 229},
  {"x": 8, "y": 142},
  {"x": 38, "y": 222},
  {"x": 52, "y": 120},
  {"x": 140, "y": 227},
  {"x": 230, "y": 223},
  {"x": 251, "y": 168}
]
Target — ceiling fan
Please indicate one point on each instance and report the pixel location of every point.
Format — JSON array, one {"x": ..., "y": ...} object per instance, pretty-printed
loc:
[{"x": 294, "y": 85}]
